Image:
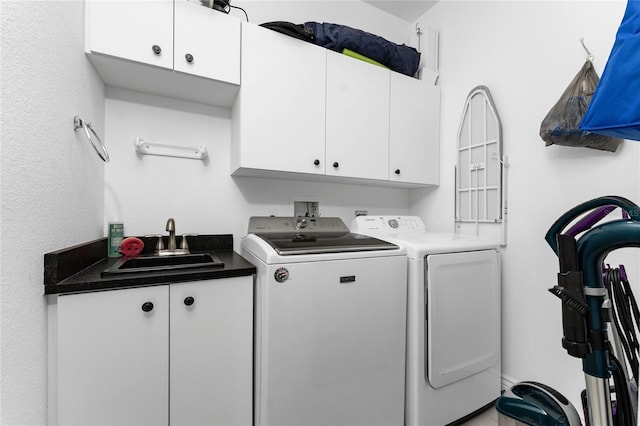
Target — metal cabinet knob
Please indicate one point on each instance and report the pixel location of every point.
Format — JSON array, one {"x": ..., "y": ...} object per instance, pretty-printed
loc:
[
  {"x": 397, "y": 171},
  {"x": 189, "y": 301},
  {"x": 147, "y": 306},
  {"x": 316, "y": 162},
  {"x": 189, "y": 57},
  {"x": 336, "y": 164},
  {"x": 156, "y": 49}
]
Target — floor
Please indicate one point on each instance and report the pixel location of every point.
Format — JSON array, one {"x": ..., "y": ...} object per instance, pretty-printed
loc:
[{"x": 488, "y": 417}]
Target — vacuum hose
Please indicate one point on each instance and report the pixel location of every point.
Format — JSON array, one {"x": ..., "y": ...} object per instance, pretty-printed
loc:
[{"x": 581, "y": 288}]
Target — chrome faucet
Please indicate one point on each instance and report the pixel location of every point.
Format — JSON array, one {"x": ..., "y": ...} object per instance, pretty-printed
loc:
[
  {"x": 171, "y": 227},
  {"x": 171, "y": 247}
]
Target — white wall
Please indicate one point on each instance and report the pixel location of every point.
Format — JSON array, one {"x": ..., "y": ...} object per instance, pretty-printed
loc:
[
  {"x": 51, "y": 182},
  {"x": 203, "y": 197},
  {"x": 53, "y": 196},
  {"x": 527, "y": 52}
]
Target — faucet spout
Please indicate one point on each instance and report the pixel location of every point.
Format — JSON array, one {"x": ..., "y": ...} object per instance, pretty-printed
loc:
[{"x": 171, "y": 227}]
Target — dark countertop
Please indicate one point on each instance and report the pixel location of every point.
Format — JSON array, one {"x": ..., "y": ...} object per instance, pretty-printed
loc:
[{"x": 79, "y": 268}]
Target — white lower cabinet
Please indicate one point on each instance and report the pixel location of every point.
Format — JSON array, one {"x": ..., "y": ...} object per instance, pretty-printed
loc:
[
  {"x": 178, "y": 354},
  {"x": 113, "y": 362},
  {"x": 211, "y": 352}
]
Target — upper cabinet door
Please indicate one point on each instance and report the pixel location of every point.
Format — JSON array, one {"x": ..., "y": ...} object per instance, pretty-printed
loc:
[
  {"x": 414, "y": 141},
  {"x": 357, "y": 118},
  {"x": 207, "y": 42},
  {"x": 140, "y": 31},
  {"x": 278, "y": 118}
]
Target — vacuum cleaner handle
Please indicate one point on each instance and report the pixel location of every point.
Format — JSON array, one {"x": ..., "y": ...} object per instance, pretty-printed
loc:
[{"x": 605, "y": 204}]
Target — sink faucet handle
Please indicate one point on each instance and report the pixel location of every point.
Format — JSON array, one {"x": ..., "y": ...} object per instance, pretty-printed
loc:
[
  {"x": 171, "y": 227},
  {"x": 183, "y": 244},
  {"x": 159, "y": 243}
]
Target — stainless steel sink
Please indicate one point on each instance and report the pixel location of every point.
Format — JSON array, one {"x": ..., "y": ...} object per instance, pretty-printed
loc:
[{"x": 147, "y": 264}]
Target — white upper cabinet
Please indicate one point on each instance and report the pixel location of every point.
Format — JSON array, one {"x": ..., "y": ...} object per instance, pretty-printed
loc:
[
  {"x": 414, "y": 138},
  {"x": 146, "y": 47},
  {"x": 357, "y": 143},
  {"x": 278, "y": 120},
  {"x": 206, "y": 43},
  {"x": 140, "y": 31},
  {"x": 299, "y": 111},
  {"x": 305, "y": 112}
]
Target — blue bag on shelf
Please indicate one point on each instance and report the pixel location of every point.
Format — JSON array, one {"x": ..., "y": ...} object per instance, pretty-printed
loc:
[
  {"x": 398, "y": 57},
  {"x": 615, "y": 106}
]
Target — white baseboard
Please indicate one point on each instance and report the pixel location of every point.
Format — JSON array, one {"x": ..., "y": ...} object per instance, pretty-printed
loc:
[{"x": 508, "y": 382}]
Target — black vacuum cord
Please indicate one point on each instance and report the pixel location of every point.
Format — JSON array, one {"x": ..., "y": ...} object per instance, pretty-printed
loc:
[{"x": 626, "y": 317}]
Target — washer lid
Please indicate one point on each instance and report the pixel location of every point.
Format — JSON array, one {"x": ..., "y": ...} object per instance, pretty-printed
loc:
[
  {"x": 302, "y": 235},
  {"x": 409, "y": 232}
]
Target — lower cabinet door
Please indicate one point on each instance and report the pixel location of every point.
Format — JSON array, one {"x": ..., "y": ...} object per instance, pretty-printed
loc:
[
  {"x": 211, "y": 344},
  {"x": 113, "y": 365}
]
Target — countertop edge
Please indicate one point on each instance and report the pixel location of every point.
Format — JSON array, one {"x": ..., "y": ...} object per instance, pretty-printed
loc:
[{"x": 78, "y": 269}]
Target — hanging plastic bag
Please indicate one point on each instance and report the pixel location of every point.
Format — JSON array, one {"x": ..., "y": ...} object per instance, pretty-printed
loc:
[
  {"x": 561, "y": 125},
  {"x": 615, "y": 108}
]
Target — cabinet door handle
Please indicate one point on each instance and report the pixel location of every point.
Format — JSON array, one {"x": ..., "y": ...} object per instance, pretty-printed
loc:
[
  {"x": 189, "y": 57},
  {"x": 316, "y": 162},
  {"x": 397, "y": 171},
  {"x": 147, "y": 306},
  {"x": 156, "y": 49},
  {"x": 336, "y": 164},
  {"x": 189, "y": 301}
]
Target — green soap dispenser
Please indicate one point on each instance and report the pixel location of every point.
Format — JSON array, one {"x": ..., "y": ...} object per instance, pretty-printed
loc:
[{"x": 116, "y": 234}]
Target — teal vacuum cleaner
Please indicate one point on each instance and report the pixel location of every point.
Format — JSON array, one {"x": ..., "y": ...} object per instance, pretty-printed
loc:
[{"x": 595, "y": 329}]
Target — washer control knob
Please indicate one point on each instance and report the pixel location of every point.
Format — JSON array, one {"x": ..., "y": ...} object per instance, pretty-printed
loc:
[{"x": 281, "y": 275}]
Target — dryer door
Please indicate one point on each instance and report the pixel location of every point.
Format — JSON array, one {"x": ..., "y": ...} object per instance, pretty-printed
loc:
[{"x": 462, "y": 330}]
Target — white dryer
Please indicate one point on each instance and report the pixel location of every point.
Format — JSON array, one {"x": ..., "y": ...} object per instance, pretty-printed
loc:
[{"x": 453, "y": 319}]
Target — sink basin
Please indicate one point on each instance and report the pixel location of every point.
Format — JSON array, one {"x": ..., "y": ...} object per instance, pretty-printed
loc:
[{"x": 162, "y": 263}]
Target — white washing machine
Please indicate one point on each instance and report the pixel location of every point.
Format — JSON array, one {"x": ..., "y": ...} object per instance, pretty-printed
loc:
[
  {"x": 330, "y": 324},
  {"x": 453, "y": 319}
]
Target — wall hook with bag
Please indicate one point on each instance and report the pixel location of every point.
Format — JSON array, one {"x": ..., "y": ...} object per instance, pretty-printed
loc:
[{"x": 561, "y": 125}]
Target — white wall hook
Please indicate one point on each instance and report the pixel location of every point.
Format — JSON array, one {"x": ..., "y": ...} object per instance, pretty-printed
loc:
[{"x": 589, "y": 54}]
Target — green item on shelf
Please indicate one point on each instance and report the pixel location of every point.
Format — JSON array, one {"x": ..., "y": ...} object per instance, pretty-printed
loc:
[{"x": 361, "y": 57}]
